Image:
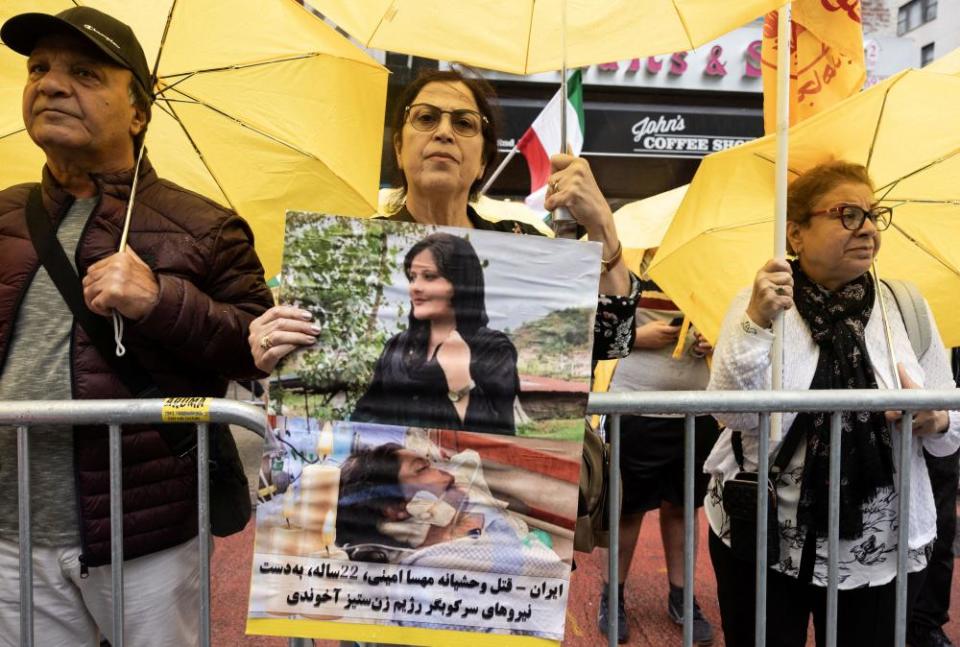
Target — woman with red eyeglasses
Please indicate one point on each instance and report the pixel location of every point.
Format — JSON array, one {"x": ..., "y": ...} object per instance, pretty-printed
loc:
[{"x": 835, "y": 340}]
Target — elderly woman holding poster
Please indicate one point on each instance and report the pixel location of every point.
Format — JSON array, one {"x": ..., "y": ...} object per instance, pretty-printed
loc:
[{"x": 444, "y": 139}]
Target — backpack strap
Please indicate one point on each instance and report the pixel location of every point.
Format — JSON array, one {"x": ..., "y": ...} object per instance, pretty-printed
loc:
[{"x": 913, "y": 311}]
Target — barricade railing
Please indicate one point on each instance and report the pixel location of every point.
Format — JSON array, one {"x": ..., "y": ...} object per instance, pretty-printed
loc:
[
  {"x": 765, "y": 403},
  {"x": 115, "y": 414}
]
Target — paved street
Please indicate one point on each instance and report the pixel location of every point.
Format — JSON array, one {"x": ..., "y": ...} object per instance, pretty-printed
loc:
[{"x": 646, "y": 597}]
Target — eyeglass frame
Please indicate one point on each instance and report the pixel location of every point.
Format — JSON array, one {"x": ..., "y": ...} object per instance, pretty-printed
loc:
[
  {"x": 461, "y": 111},
  {"x": 872, "y": 213}
]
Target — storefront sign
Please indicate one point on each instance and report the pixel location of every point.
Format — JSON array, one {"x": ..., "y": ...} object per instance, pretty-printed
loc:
[
  {"x": 730, "y": 63},
  {"x": 648, "y": 131}
]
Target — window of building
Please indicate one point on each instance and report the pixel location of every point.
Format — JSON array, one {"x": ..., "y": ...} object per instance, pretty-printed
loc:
[
  {"x": 915, "y": 13},
  {"x": 926, "y": 54}
]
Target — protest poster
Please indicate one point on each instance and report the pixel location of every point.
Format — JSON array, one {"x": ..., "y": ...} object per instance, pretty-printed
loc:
[{"x": 419, "y": 482}]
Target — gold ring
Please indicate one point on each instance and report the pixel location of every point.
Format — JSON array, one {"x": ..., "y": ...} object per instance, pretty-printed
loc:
[
  {"x": 554, "y": 187},
  {"x": 265, "y": 342}
]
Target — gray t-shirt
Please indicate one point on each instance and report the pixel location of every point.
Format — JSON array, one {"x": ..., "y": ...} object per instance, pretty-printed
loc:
[
  {"x": 38, "y": 368},
  {"x": 656, "y": 369}
]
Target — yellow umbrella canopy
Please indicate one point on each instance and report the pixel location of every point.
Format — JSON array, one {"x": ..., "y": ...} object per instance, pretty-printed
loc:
[
  {"x": 524, "y": 36},
  {"x": 641, "y": 225},
  {"x": 260, "y": 106},
  {"x": 902, "y": 129},
  {"x": 946, "y": 64}
]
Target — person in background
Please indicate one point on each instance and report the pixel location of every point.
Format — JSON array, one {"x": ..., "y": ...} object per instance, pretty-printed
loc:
[
  {"x": 931, "y": 610},
  {"x": 835, "y": 339},
  {"x": 652, "y": 447},
  {"x": 187, "y": 286}
]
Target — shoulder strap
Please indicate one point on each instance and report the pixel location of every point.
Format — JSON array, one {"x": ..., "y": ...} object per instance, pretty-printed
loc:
[
  {"x": 914, "y": 313},
  {"x": 784, "y": 452},
  {"x": 54, "y": 259},
  {"x": 787, "y": 448}
]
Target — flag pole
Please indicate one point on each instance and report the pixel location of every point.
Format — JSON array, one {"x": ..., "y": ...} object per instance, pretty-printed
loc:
[
  {"x": 496, "y": 173},
  {"x": 562, "y": 223},
  {"x": 563, "y": 76},
  {"x": 780, "y": 210}
]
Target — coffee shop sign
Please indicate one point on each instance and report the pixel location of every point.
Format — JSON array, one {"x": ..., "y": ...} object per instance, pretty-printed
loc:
[{"x": 667, "y": 135}]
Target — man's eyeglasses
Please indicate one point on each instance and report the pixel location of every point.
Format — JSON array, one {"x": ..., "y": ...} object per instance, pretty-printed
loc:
[
  {"x": 426, "y": 117},
  {"x": 852, "y": 217}
]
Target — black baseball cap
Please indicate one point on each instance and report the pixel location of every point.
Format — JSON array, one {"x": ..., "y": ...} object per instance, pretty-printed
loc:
[{"x": 112, "y": 37}]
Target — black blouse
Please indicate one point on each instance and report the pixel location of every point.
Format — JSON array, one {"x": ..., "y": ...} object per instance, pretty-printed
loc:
[{"x": 412, "y": 391}]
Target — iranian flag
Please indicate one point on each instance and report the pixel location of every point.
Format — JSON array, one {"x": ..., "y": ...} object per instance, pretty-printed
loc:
[{"x": 542, "y": 139}]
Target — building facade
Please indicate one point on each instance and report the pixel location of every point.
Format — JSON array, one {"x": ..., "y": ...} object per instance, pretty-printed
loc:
[{"x": 898, "y": 34}]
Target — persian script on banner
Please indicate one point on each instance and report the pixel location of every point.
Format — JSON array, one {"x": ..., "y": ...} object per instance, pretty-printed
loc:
[
  {"x": 421, "y": 473},
  {"x": 826, "y": 58}
]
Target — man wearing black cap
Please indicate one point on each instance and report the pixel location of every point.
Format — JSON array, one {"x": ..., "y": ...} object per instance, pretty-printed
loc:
[{"x": 187, "y": 286}]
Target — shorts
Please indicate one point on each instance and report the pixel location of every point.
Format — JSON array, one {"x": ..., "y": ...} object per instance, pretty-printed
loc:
[{"x": 651, "y": 460}]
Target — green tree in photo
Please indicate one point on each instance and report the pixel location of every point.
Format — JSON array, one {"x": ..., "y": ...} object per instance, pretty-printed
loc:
[{"x": 337, "y": 269}]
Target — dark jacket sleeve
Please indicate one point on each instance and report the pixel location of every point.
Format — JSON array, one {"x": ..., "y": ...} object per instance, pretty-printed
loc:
[
  {"x": 614, "y": 329},
  {"x": 209, "y": 323}
]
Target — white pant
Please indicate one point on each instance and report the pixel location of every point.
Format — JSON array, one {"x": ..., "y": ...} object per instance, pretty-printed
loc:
[{"x": 161, "y": 599}]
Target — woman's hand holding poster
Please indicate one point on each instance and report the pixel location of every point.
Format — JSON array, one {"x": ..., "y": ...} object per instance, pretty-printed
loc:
[{"x": 422, "y": 468}]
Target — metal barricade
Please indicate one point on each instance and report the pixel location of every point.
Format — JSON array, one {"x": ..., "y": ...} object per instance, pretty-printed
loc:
[
  {"x": 114, "y": 414},
  {"x": 764, "y": 403}
]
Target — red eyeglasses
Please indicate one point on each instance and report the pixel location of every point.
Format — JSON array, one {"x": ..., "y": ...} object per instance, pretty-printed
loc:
[{"x": 852, "y": 217}]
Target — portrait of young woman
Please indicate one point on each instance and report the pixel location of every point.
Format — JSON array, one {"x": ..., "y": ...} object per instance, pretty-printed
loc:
[{"x": 447, "y": 370}]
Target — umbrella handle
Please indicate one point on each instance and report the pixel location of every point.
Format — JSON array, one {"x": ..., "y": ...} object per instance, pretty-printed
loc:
[
  {"x": 562, "y": 223},
  {"x": 118, "y": 333},
  {"x": 117, "y": 317}
]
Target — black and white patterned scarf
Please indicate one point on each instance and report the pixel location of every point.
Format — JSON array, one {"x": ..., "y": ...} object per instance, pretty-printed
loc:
[{"x": 837, "y": 322}]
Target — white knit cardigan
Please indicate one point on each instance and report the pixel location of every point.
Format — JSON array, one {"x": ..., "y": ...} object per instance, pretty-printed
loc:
[{"x": 742, "y": 361}]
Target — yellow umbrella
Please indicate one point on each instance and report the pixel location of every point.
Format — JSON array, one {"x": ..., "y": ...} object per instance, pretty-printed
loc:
[
  {"x": 260, "y": 106},
  {"x": 641, "y": 225},
  {"x": 901, "y": 129},
  {"x": 946, "y": 64},
  {"x": 524, "y": 36}
]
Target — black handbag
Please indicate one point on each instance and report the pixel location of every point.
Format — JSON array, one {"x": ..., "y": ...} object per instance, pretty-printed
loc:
[
  {"x": 230, "y": 506},
  {"x": 740, "y": 500}
]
